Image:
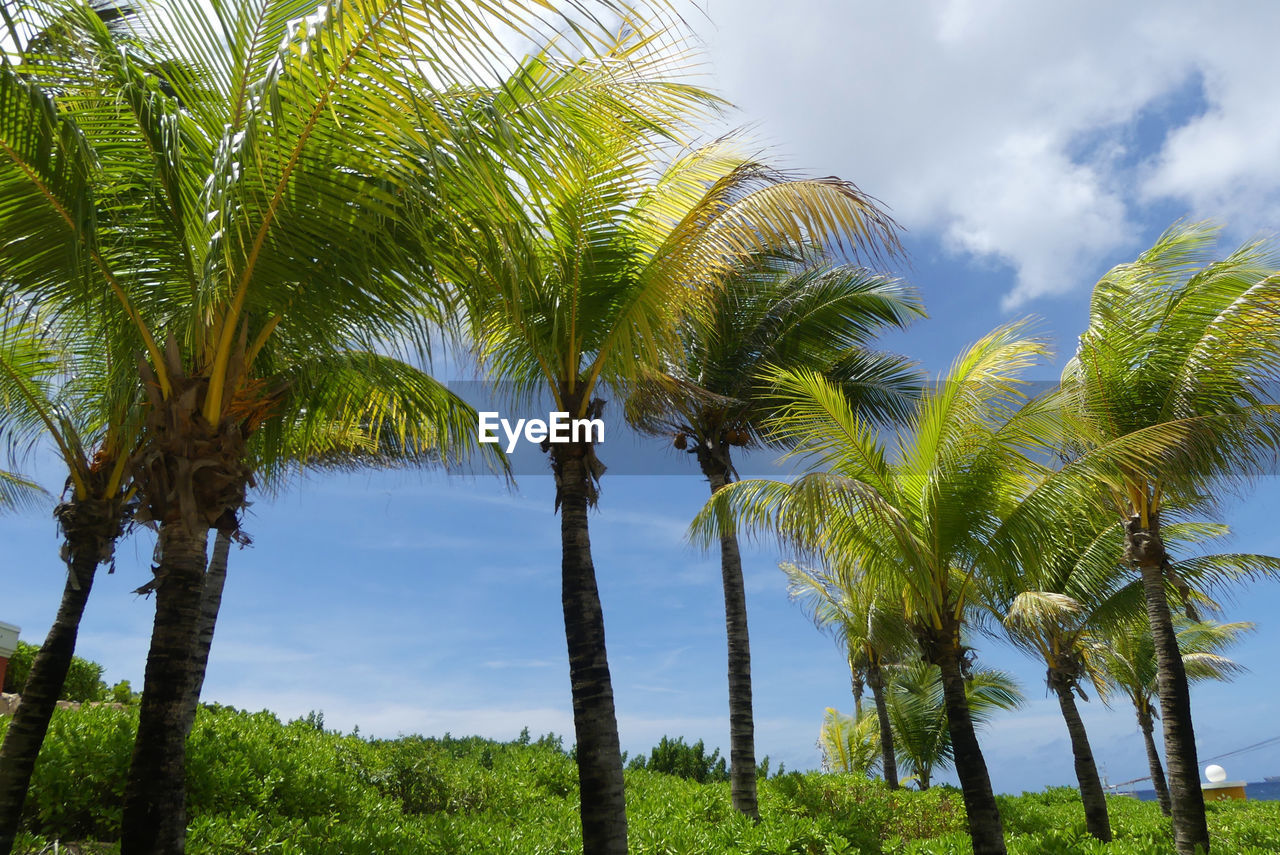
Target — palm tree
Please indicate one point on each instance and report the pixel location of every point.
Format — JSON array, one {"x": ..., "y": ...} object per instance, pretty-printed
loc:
[
  {"x": 50, "y": 384},
  {"x": 1069, "y": 602},
  {"x": 1179, "y": 342},
  {"x": 776, "y": 312},
  {"x": 240, "y": 199},
  {"x": 1062, "y": 597},
  {"x": 872, "y": 629},
  {"x": 849, "y": 743},
  {"x": 1127, "y": 667},
  {"x": 586, "y": 293},
  {"x": 921, "y": 521},
  {"x": 51, "y": 388},
  {"x": 918, "y": 711}
]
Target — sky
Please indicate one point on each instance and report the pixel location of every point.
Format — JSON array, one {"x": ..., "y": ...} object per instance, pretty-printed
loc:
[{"x": 1024, "y": 148}]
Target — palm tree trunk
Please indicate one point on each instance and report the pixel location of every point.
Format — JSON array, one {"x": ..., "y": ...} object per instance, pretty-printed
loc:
[
  {"x": 875, "y": 679},
  {"x": 210, "y": 603},
  {"x": 1190, "y": 828},
  {"x": 985, "y": 826},
  {"x": 40, "y": 694},
  {"x": 603, "y": 806},
  {"x": 742, "y": 730},
  {"x": 215, "y": 578},
  {"x": 1095, "y": 801},
  {"x": 155, "y": 816},
  {"x": 1153, "y": 762},
  {"x": 855, "y": 685}
]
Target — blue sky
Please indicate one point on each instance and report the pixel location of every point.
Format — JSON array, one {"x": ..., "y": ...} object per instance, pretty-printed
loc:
[{"x": 1026, "y": 148}]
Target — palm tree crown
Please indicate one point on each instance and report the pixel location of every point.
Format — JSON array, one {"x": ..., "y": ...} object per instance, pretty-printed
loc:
[
  {"x": 1184, "y": 346},
  {"x": 921, "y": 523}
]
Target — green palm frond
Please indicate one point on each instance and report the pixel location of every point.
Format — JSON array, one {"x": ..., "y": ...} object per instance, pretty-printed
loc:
[
  {"x": 872, "y": 629},
  {"x": 990, "y": 691},
  {"x": 919, "y": 519},
  {"x": 850, "y": 745},
  {"x": 358, "y": 409},
  {"x": 1181, "y": 340},
  {"x": 1215, "y": 574},
  {"x": 19, "y": 493},
  {"x": 250, "y": 190},
  {"x": 57, "y": 385},
  {"x": 780, "y": 311},
  {"x": 1126, "y": 659},
  {"x": 616, "y": 252},
  {"x": 46, "y": 193},
  {"x": 918, "y": 716}
]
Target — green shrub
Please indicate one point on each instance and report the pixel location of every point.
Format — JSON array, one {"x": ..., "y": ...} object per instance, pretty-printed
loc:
[
  {"x": 258, "y": 785},
  {"x": 123, "y": 693},
  {"x": 77, "y": 789},
  {"x": 240, "y": 761},
  {"x": 674, "y": 757},
  {"x": 83, "y": 683}
]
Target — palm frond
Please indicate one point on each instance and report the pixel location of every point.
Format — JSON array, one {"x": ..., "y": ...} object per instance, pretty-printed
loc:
[{"x": 850, "y": 745}]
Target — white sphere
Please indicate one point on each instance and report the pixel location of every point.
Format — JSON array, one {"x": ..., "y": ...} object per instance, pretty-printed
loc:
[{"x": 1215, "y": 773}]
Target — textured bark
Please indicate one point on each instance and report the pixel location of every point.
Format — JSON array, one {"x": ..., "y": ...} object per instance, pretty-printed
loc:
[
  {"x": 855, "y": 685},
  {"x": 742, "y": 731},
  {"x": 985, "y": 826},
  {"x": 215, "y": 578},
  {"x": 1091, "y": 793},
  {"x": 1153, "y": 762},
  {"x": 875, "y": 679},
  {"x": 30, "y": 722},
  {"x": 603, "y": 807},
  {"x": 1190, "y": 828},
  {"x": 155, "y": 816}
]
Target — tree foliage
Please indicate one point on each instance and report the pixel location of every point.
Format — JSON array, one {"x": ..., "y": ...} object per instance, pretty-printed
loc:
[{"x": 84, "y": 678}]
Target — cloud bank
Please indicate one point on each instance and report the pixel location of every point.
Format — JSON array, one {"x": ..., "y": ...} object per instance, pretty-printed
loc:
[{"x": 1018, "y": 134}]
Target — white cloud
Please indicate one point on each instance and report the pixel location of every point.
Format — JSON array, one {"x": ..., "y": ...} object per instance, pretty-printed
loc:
[
  {"x": 1226, "y": 162},
  {"x": 970, "y": 118}
]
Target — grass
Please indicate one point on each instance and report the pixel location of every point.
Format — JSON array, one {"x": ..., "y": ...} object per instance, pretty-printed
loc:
[{"x": 257, "y": 785}]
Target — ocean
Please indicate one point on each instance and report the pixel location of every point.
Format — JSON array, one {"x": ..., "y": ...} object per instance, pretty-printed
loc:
[{"x": 1262, "y": 791}]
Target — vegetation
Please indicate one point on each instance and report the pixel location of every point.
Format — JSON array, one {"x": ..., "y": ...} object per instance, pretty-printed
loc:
[
  {"x": 1183, "y": 344},
  {"x": 849, "y": 744},
  {"x": 54, "y": 382},
  {"x": 918, "y": 713},
  {"x": 920, "y": 520},
  {"x": 674, "y": 757},
  {"x": 257, "y": 785},
  {"x": 263, "y": 338},
  {"x": 1126, "y": 666},
  {"x": 1053, "y": 609},
  {"x": 83, "y": 681},
  {"x": 774, "y": 312},
  {"x": 234, "y": 234},
  {"x": 587, "y": 290},
  {"x": 875, "y": 634}
]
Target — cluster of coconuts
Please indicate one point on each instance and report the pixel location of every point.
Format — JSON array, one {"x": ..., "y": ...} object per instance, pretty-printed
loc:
[{"x": 734, "y": 436}]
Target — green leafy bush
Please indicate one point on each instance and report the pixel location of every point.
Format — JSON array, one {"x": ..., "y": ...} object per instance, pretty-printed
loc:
[
  {"x": 123, "y": 693},
  {"x": 259, "y": 785},
  {"x": 83, "y": 683},
  {"x": 674, "y": 757},
  {"x": 77, "y": 789}
]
